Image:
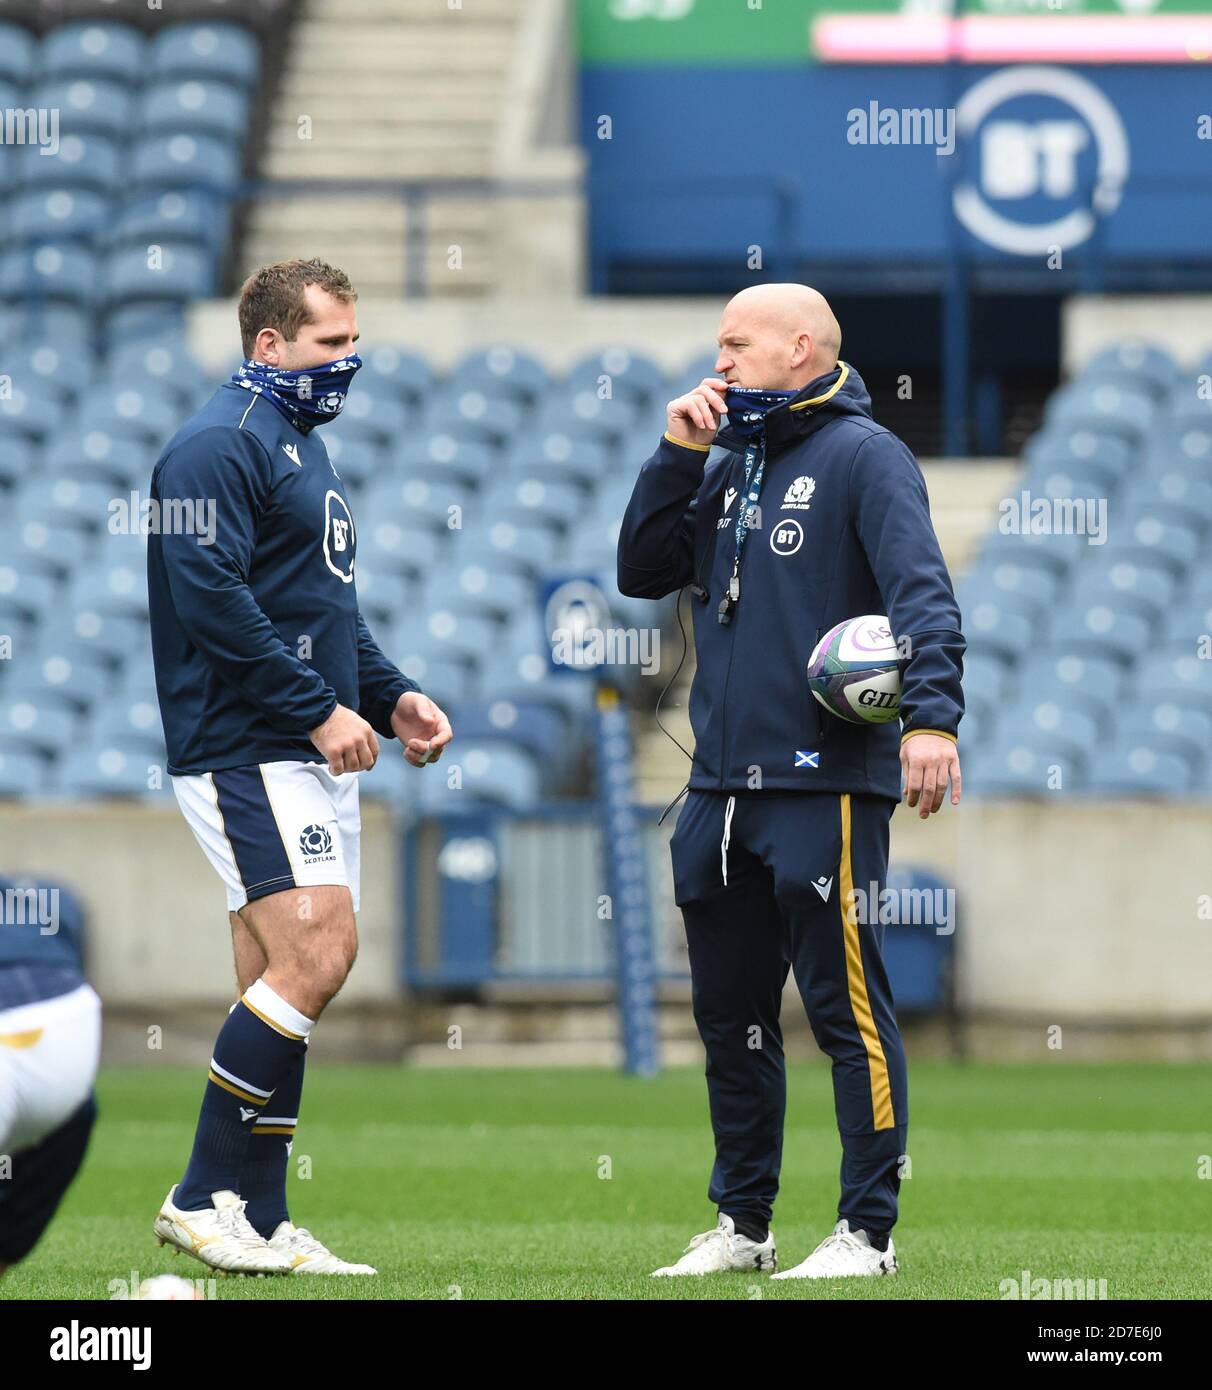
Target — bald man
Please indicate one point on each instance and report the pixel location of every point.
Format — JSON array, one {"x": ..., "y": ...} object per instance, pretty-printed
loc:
[{"x": 799, "y": 513}]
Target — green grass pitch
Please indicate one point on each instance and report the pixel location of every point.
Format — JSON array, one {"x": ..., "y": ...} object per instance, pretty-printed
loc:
[{"x": 576, "y": 1184}]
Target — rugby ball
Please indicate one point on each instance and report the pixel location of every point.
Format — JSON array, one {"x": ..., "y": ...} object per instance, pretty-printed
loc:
[{"x": 854, "y": 671}]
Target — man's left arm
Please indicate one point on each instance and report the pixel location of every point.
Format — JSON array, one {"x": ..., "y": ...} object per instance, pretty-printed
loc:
[
  {"x": 394, "y": 706},
  {"x": 892, "y": 516}
]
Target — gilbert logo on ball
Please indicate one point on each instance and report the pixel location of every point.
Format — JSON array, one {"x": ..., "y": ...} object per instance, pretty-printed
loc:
[{"x": 854, "y": 671}]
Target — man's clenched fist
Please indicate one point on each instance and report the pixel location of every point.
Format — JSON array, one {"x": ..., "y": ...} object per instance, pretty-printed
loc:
[{"x": 347, "y": 741}]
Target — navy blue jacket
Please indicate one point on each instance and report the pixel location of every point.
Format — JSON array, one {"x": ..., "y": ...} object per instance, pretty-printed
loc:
[
  {"x": 844, "y": 530},
  {"x": 257, "y": 636}
]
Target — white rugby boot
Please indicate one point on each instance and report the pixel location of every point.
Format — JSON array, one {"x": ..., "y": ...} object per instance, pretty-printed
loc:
[
  {"x": 721, "y": 1251},
  {"x": 220, "y": 1236},
  {"x": 842, "y": 1254},
  {"x": 308, "y": 1255}
]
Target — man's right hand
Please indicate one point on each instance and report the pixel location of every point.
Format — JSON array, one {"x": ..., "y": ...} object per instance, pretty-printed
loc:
[
  {"x": 695, "y": 417},
  {"x": 347, "y": 741}
]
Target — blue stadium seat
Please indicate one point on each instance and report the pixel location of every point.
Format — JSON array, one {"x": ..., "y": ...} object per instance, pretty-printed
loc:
[
  {"x": 1184, "y": 733},
  {"x": 36, "y": 727},
  {"x": 1055, "y": 551},
  {"x": 117, "y": 460},
  {"x": 1066, "y": 446},
  {"x": 174, "y": 218},
  {"x": 1175, "y": 494},
  {"x": 445, "y": 679},
  {"x": 503, "y": 543},
  {"x": 192, "y": 107},
  {"x": 143, "y": 322},
  {"x": 992, "y": 627},
  {"x": 117, "y": 583},
  {"x": 407, "y": 375},
  {"x": 1102, "y": 405},
  {"x": 1154, "y": 541},
  {"x": 560, "y": 457},
  {"x": 110, "y": 771},
  {"x": 1075, "y": 730},
  {"x": 167, "y": 360},
  {"x": 116, "y": 638},
  {"x": 21, "y": 774},
  {"x": 544, "y": 732},
  {"x": 81, "y": 161},
  {"x": 1129, "y": 767},
  {"x": 20, "y": 457},
  {"x": 629, "y": 375},
  {"x": 415, "y": 501},
  {"x": 212, "y": 52},
  {"x": 522, "y": 376},
  {"x": 69, "y": 326},
  {"x": 31, "y": 411},
  {"x": 529, "y": 500},
  {"x": 18, "y": 50},
  {"x": 28, "y": 593},
  {"x": 133, "y": 725},
  {"x": 371, "y": 419},
  {"x": 982, "y": 586},
  {"x": 63, "y": 273},
  {"x": 63, "y": 501},
  {"x": 1144, "y": 589},
  {"x": 461, "y": 636},
  {"x": 1008, "y": 577},
  {"x": 472, "y": 415},
  {"x": 480, "y": 591},
  {"x": 606, "y": 423},
  {"x": 383, "y": 594},
  {"x": 492, "y": 770},
  {"x": 183, "y": 273},
  {"x": 1101, "y": 630},
  {"x": 45, "y": 694},
  {"x": 358, "y": 463},
  {"x": 100, "y": 51},
  {"x": 1034, "y": 768},
  {"x": 116, "y": 408},
  {"x": 58, "y": 215},
  {"x": 87, "y": 106},
  {"x": 1190, "y": 406},
  {"x": 1090, "y": 683},
  {"x": 1181, "y": 445},
  {"x": 1054, "y": 474},
  {"x": 443, "y": 455},
  {"x": 61, "y": 370},
  {"x": 1177, "y": 677},
  {"x": 190, "y": 162},
  {"x": 1136, "y": 361},
  {"x": 34, "y": 546},
  {"x": 1188, "y": 621},
  {"x": 399, "y": 546}
]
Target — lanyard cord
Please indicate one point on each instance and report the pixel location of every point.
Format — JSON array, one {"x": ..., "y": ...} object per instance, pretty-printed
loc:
[{"x": 755, "y": 468}]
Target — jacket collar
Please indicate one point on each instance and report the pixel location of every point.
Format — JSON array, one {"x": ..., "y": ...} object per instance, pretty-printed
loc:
[{"x": 786, "y": 423}]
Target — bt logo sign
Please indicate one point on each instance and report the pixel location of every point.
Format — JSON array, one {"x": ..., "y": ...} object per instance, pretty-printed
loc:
[{"x": 1043, "y": 134}]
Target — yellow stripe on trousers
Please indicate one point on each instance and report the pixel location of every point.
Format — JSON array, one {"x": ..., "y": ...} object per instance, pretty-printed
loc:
[{"x": 856, "y": 980}]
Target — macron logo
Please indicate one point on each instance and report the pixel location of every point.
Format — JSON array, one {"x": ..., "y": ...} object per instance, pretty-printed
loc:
[
  {"x": 246, "y": 1114},
  {"x": 823, "y": 886},
  {"x": 292, "y": 453}
]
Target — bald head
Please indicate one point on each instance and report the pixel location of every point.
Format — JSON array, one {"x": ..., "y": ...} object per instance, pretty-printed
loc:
[{"x": 779, "y": 337}]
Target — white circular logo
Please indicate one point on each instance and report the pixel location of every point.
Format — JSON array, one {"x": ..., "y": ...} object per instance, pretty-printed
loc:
[
  {"x": 786, "y": 537},
  {"x": 1019, "y": 158},
  {"x": 339, "y": 537}
]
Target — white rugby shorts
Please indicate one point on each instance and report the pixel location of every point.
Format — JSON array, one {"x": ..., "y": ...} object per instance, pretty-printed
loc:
[
  {"x": 48, "y": 1062},
  {"x": 270, "y": 827}
]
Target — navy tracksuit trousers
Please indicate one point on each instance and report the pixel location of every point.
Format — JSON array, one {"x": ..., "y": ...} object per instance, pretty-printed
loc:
[{"x": 764, "y": 882}]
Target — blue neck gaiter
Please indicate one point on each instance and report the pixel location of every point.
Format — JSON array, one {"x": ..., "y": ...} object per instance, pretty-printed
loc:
[
  {"x": 308, "y": 396},
  {"x": 747, "y": 407}
]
